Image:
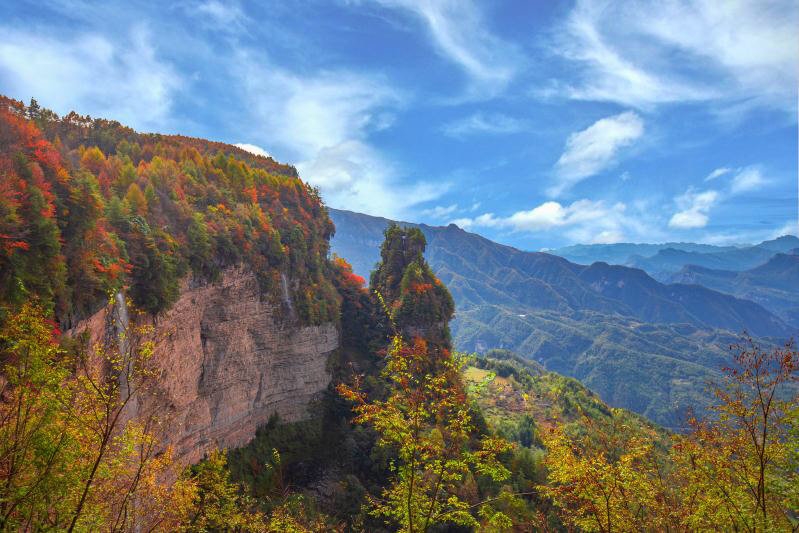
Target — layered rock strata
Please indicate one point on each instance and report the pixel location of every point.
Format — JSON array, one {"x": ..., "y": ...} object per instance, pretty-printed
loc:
[{"x": 227, "y": 361}]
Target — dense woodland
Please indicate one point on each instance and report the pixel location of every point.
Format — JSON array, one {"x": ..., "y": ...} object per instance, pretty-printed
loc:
[
  {"x": 88, "y": 206},
  {"x": 411, "y": 436}
]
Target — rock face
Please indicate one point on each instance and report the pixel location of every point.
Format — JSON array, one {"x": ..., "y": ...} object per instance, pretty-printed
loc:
[{"x": 227, "y": 362}]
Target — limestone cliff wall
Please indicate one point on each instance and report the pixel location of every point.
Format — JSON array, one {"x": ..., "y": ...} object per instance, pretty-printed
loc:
[{"x": 227, "y": 362}]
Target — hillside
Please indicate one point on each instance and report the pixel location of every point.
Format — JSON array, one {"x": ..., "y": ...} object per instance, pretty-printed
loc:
[
  {"x": 640, "y": 344},
  {"x": 222, "y": 253},
  {"x": 520, "y": 399}
]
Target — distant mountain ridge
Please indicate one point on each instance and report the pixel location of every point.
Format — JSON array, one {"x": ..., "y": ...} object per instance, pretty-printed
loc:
[
  {"x": 774, "y": 284},
  {"x": 670, "y": 260},
  {"x": 641, "y": 344},
  {"x": 621, "y": 252},
  {"x": 661, "y": 260},
  {"x": 487, "y": 272}
]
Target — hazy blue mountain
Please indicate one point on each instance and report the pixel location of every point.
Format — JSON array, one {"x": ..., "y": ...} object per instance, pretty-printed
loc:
[
  {"x": 663, "y": 260},
  {"x": 774, "y": 284},
  {"x": 639, "y": 343},
  {"x": 666, "y": 262},
  {"x": 620, "y": 253}
]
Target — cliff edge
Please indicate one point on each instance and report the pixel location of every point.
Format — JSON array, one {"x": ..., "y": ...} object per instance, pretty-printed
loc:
[{"x": 228, "y": 360}]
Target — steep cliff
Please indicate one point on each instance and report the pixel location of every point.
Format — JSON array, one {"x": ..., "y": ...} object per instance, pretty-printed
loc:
[
  {"x": 224, "y": 252},
  {"x": 227, "y": 361}
]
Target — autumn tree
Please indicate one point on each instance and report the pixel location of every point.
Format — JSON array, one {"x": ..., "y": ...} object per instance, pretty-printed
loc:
[
  {"x": 738, "y": 466},
  {"x": 37, "y": 448},
  {"x": 109, "y": 378},
  {"x": 735, "y": 470},
  {"x": 425, "y": 417},
  {"x": 218, "y": 504},
  {"x": 611, "y": 477},
  {"x": 71, "y": 456}
]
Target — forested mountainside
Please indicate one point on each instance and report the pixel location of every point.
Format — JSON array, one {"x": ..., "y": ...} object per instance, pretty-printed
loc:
[
  {"x": 431, "y": 424},
  {"x": 660, "y": 259},
  {"x": 486, "y": 272},
  {"x": 238, "y": 313},
  {"x": 160, "y": 297},
  {"x": 640, "y": 344},
  {"x": 89, "y": 205}
]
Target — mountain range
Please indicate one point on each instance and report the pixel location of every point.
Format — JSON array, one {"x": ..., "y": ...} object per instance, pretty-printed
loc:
[
  {"x": 641, "y": 344},
  {"x": 661, "y": 261},
  {"x": 772, "y": 284}
]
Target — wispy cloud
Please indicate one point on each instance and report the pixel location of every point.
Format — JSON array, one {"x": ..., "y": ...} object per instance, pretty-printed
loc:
[
  {"x": 693, "y": 209},
  {"x": 790, "y": 228},
  {"x": 484, "y": 123},
  {"x": 717, "y": 173},
  {"x": 323, "y": 124},
  {"x": 742, "y": 179},
  {"x": 124, "y": 80},
  {"x": 747, "y": 179},
  {"x": 651, "y": 52},
  {"x": 460, "y": 34},
  {"x": 595, "y": 148},
  {"x": 585, "y": 221},
  {"x": 224, "y": 13},
  {"x": 439, "y": 212},
  {"x": 310, "y": 113}
]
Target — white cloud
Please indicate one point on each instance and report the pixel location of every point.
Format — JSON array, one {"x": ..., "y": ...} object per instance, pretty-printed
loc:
[
  {"x": 125, "y": 81},
  {"x": 253, "y": 149},
  {"x": 353, "y": 175},
  {"x": 439, "y": 211},
  {"x": 653, "y": 52},
  {"x": 461, "y": 35},
  {"x": 717, "y": 173},
  {"x": 477, "y": 123},
  {"x": 323, "y": 122},
  {"x": 747, "y": 237},
  {"x": 747, "y": 179},
  {"x": 309, "y": 114},
  {"x": 693, "y": 209},
  {"x": 585, "y": 221},
  {"x": 694, "y": 206},
  {"x": 742, "y": 178},
  {"x": 593, "y": 149},
  {"x": 465, "y": 222}
]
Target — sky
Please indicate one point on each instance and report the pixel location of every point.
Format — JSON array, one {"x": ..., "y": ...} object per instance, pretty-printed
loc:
[{"x": 536, "y": 123}]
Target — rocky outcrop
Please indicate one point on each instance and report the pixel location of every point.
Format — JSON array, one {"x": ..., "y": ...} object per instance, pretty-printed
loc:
[{"x": 227, "y": 362}]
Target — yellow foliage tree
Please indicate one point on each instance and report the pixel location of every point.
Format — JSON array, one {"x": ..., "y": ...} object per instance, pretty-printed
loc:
[{"x": 736, "y": 470}]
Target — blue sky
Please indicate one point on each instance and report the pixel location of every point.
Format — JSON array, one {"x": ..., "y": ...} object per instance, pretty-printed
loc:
[{"x": 536, "y": 123}]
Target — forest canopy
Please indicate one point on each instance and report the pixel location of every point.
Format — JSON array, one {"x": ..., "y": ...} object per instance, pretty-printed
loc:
[{"x": 89, "y": 206}]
